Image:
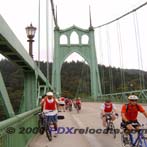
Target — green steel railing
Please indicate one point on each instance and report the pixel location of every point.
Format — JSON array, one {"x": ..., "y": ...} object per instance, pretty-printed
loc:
[
  {"x": 120, "y": 97},
  {"x": 18, "y": 130}
]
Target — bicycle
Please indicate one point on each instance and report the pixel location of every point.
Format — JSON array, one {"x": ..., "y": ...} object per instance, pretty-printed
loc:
[
  {"x": 68, "y": 107},
  {"x": 110, "y": 125},
  {"x": 129, "y": 139},
  {"x": 41, "y": 125},
  {"x": 45, "y": 126}
]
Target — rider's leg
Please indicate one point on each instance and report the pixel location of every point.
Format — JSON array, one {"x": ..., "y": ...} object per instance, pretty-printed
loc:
[
  {"x": 64, "y": 107},
  {"x": 55, "y": 126},
  {"x": 113, "y": 117},
  {"x": 103, "y": 120}
]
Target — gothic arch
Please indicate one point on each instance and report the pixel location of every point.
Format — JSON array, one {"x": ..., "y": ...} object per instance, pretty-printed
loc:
[
  {"x": 84, "y": 39},
  {"x": 63, "y": 39},
  {"x": 87, "y": 51},
  {"x": 74, "y": 38}
]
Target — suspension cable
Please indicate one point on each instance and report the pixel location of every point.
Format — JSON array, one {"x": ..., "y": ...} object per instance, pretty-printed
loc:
[
  {"x": 80, "y": 81},
  {"x": 109, "y": 60},
  {"x": 139, "y": 51},
  {"x": 101, "y": 61},
  {"x": 52, "y": 42},
  {"x": 39, "y": 34},
  {"x": 47, "y": 39},
  {"x": 120, "y": 55},
  {"x": 53, "y": 13},
  {"x": 121, "y": 16}
]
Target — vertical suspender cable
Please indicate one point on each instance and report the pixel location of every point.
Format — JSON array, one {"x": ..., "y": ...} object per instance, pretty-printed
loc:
[
  {"x": 120, "y": 56},
  {"x": 47, "y": 40},
  {"x": 101, "y": 61},
  {"x": 39, "y": 34},
  {"x": 52, "y": 44},
  {"x": 80, "y": 81},
  {"x": 38, "y": 47},
  {"x": 53, "y": 23},
  {"x": 53, "y": 13},
  {"x": 52, "y": 38},
  {"x": 51, "y": 53},
  {"x": 139, "y": 52},
  {"x": 109, "y": 60}
]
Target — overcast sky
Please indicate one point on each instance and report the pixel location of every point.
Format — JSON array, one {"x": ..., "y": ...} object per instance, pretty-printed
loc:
[{"x": 20, "y": 13}]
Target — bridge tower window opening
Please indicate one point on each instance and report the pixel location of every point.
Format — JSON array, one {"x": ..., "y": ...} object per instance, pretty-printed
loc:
[
  {"x": 74, "y": 38},
  {"x": 85, "y": 39},
  {"x": 63, "y": 39}
]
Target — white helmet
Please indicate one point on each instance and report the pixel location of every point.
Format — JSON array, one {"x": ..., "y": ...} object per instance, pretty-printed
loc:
[
  {"x": 49, "y": 94},
  {"x": 132, "y": 97}
]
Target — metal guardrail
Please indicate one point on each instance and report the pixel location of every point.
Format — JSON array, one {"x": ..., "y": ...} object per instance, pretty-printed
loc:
[
  {"x": 18, "y": 130},
  {"x": 120, "y": 97}
]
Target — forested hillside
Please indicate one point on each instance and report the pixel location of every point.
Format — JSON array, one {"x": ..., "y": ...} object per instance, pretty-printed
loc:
[{"x": 75, "y": 79}]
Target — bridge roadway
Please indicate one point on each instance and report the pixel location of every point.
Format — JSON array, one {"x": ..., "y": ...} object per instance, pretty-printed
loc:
[{"x": 88, "y": 117}]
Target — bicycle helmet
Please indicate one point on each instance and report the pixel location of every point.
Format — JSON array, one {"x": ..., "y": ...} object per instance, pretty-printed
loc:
[
  {"x": 132, "y": 97},
  {"x": 49, "y": 94}
]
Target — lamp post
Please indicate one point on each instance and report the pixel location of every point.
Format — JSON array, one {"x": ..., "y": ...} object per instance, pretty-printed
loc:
[{"x": 30, "y": 30}]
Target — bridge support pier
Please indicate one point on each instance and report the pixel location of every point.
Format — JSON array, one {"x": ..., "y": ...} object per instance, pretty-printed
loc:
[{"x": 30, "y": 91}]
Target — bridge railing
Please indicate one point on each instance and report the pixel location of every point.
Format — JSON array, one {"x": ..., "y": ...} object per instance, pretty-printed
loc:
[
  {"x": 120, "y": 97},
  {"x": 18, "y": 130}
]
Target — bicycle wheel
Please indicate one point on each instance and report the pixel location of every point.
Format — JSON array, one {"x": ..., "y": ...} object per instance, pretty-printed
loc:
[
  {"x": 112, "y": 130},
  {"x": 139, "y": 144},
  {"x": 125, "y": 140},
  {"x": 48, "y": 133},
  {"x": 142, "y": 142},
  {"x": 41, "y": 127}
]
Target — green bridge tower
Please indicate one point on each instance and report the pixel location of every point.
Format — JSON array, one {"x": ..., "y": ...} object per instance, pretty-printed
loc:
[{"x": 82, "y": 43}]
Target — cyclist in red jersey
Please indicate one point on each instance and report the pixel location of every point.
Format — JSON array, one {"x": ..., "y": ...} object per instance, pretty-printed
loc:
[
  {"x": 61, "y": 103},
  {"x": 66, "y": 103},
  {"x": 69, "y": 105},
  {"x": 108, "y": 108},
  {"x": 129, "y": 113},
  {"x": 78, "y": 103},
  {"x": 50, "y": 109}
]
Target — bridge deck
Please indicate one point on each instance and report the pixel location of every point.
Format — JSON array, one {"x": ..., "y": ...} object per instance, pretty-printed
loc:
[{"x": 88, "y": 117}]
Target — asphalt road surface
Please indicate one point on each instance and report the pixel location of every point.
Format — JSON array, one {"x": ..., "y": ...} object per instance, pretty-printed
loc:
[{"x": 83, "y": 129}]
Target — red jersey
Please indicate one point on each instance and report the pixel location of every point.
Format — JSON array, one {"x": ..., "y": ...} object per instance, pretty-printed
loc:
[
  {"x": 108, "y": 107},
  {"x": 78, "y": 101},
  {"x": 50, "y": 105},
  {"x": 131, "y": 111}
]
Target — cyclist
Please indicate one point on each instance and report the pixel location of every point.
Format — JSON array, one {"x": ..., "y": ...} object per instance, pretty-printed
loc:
[
  {"x": 74, "y": 102},
  {"x": 69, "y": 105},
  {"x": 129, "y": 113},
  {"x": 108, "y": 108},
  {"x": 61, "y": 103},
  {"x": 66, "y": 103},
  {"x": 50, "y": 109},
  {"x": 78, "y": 103}
]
